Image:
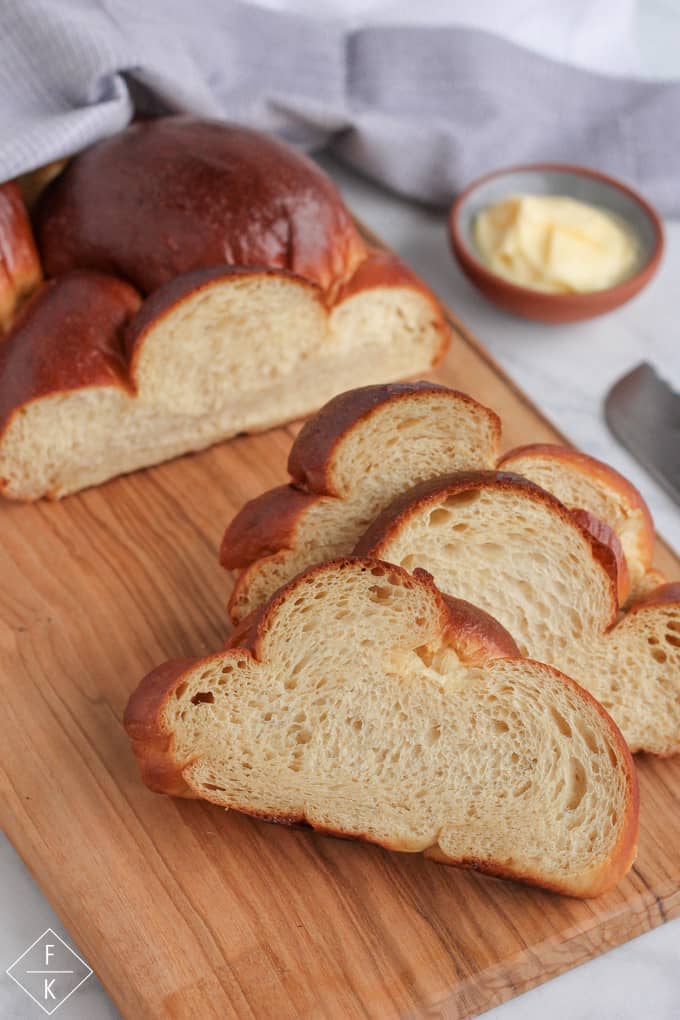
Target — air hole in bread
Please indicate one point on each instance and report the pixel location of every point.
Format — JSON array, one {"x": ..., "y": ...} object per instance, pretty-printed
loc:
[
  {"x": 179, "y": 690},
  {"x": 203, "y": 696},
  {"x": 439, "y": 516},
  {"x": 380, "y": 593},
  {"x": 461, "y": 499},
  {"x": 674, "y": 625},
  {"x": 433, "y": 735},
  {"x": 577, "y": 784},
  {"x": 494, "y": 551},
  {"x": 561, "y": 723},
  {"x": 659, "y": 655},
  {"x": 500, "y": 726},
  {"x": 672, "y": 640},
  {"x": 589, "y": 739},
  {"x": 425, "y": 654}
]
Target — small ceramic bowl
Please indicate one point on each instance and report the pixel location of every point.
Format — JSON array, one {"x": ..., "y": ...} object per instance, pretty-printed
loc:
[{"x": 555, "y": 179}]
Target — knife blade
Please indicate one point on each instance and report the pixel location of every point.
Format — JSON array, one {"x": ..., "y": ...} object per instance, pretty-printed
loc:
[{"x": 643, "y": 412}]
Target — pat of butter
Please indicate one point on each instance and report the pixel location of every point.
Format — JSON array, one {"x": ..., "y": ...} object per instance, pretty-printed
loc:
[{"x": 555, "y": 244}]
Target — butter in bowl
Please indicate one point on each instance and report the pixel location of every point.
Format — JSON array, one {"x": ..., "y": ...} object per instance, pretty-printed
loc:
[{"x": 555, "y": 243}]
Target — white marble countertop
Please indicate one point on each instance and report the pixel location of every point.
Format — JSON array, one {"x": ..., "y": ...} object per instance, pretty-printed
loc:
[{"x": 566, "y": 371}]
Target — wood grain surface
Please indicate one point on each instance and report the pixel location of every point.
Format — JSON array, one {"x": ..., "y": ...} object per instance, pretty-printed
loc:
[{"x": 184, "y": 910}]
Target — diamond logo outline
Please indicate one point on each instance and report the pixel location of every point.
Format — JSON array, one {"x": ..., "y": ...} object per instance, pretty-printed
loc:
[{"x": 88, "y": 969}]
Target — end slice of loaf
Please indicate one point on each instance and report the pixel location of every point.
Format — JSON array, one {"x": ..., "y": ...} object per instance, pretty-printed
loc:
[
  {"x": 511, "y": 548},
  {"x": 213, "y": 353},
  {"x": 368, "y": 445},
  {"x": 424, "y": 732}
]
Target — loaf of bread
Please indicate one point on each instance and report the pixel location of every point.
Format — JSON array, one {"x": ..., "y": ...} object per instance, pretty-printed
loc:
[
  {"x": 258, "y": 301},
  {"x": 20, "y": 271},
  {"x": 515, "y": 551},
  {"x": 370, "y": 444},
  {"x": 422, "y": 732}
]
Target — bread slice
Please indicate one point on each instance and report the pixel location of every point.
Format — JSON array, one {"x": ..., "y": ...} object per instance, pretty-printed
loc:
[
  {"x": 360, "y": 702},
  {"x": 515, "y": 551},
  {"x": 213, "y": 353},
  {"x": 20, "y": 270},
  {"x": 372, "y": 443},
  {"x": 581, "y": 481},
  {"x": 348, "y": 462}
]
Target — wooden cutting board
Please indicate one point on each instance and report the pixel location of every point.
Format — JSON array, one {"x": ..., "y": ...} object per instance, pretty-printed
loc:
[{"x": 184, "y": 910}]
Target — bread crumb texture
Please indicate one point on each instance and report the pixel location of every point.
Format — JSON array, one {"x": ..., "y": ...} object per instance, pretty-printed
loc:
[{"x": 356, "y": 710}]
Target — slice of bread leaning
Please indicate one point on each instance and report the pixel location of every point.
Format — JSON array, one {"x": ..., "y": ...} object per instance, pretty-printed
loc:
[
  {"x": 514, "y": 550},
  {"x": 256, "y": 300},
  {"x": 370, "y": 444},
  {"x": 363, "y": 703}
]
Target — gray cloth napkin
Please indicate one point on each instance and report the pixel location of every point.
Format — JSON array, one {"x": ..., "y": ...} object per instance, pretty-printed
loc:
[{"x": 421, "y": 109}]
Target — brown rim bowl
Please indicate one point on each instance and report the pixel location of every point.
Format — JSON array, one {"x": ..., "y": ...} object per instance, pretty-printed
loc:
[{"x": 555, "y": 179}]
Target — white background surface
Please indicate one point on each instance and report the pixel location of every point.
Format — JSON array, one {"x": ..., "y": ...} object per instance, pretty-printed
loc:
[{"x": 566, "y": 371}]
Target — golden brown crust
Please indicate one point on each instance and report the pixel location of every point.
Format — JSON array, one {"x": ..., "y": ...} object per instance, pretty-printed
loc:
[
  {"x": 263, "y": 526},
  {"x": 20, "y": 270},
  {"x": 475, "y": 636},
  {"x": 601, "y": 473},
  {"x": 311, "y": 457},
  {"x": 607, "y": 536},
  {"x": 435, "y": 489},
  {"x": 68, "y": 336},
  {"x": 174, "y": 194},
  {"x": 667, "y": 594},
  {"x": 143, "y": 721},
  {"x": 478, "y": 636}
]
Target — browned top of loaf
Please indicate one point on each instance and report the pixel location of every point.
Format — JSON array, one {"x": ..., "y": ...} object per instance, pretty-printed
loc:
[
  {"x": 176, "y": 193},
  {"x": 20, "y": 270},
  {"x": 69, "y": 335},
  {"x": 310, "y": 457}
]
